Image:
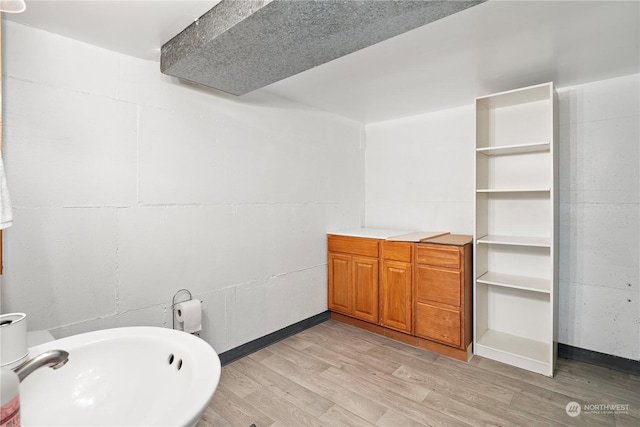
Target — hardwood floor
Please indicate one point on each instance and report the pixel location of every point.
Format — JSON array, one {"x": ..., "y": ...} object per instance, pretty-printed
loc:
[{"x": 334, "y": 374}]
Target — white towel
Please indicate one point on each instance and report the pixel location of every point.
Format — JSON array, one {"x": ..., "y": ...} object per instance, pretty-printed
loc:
[{"x": 6, "y": 214}]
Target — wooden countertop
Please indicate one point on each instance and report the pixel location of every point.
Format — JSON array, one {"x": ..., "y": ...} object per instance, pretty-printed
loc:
[
  {"x": 450, "y": 239},
  {"x": 369, "y": 233},
  {"x": 417, "y": 236},
  {"x": 391, "y": 235}
]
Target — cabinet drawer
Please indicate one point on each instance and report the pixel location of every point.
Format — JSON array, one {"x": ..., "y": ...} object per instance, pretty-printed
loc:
[
  {"x": 443, "y": 256},
  {"x": 437, "y": 323},
  {"x": 353, "y": 245},
  {"x": 438, "y": 285},
  {"x": 397, "y": 251}
]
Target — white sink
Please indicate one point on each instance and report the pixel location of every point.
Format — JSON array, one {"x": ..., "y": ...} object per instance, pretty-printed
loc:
[{"x": 134, "y": 376}]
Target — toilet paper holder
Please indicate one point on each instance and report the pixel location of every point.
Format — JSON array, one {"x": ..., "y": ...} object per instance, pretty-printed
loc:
[{"x": 174, "y": 303}]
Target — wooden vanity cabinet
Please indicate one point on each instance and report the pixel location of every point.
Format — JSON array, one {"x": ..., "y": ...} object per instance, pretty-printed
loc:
[
  {"x": 443, "y": 295},
  {"x": 353, "y": 275},
  {"x": 416, "y": 293},
  {"x": 396, "y": 286}
]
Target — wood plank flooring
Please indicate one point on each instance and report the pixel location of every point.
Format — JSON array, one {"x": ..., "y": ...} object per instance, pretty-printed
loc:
[{"x": 338, "y": 375}]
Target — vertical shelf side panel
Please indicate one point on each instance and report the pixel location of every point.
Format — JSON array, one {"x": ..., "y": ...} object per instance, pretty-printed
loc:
[
  {"x": 482, "y": 260},
  {"x": 555, "y": 214},
  {"x": 480, "y": 313},
  {"x": 482, "y": 171},
  {"x": 482, "y": 125},
  {"x": 482, "y": 218}
]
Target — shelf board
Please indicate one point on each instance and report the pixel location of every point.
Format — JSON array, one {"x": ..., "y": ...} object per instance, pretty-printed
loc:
[
  {"x": 514, "y": 190},
  {"x": 526, "y": 283},
  {"x": 543, "y": 242},
  {"x": 536, "y": 147},
  {"x": 540, "y": 92},
  {"x": 516, "y": 346}
]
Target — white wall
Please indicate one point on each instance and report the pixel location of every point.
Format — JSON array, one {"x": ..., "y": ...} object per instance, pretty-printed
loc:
[
  {"x": 599, "y": 302},
  {"x": 128, "y": 186},
  {"x": 419, "y": 175},
  {"x": 419, "y": 172}
]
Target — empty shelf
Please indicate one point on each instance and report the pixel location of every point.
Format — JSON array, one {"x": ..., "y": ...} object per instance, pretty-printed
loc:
[
  {"x": 526, "y": 283},
  {"x": 515, "y": 347},
  {"x": 542, "y": 242},
  {"x": 535, "y": 147},
  {"x": 513, "y": 190}
]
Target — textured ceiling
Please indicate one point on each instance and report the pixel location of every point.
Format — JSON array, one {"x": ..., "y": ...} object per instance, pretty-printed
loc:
[{"x": 240, "y": 46}]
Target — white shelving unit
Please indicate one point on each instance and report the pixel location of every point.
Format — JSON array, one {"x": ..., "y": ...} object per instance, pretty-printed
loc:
[{"x": 516, "y": 229}]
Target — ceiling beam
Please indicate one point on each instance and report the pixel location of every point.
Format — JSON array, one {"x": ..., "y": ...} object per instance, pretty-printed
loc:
[{"x": 240, "y": 46}]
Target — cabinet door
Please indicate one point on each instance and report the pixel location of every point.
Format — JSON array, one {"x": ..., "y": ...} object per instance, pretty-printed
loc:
[
  {"x": 397, "y": 304},
  {"x": 365, "y": 289},
  {"x": 340, "y": 282}
]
